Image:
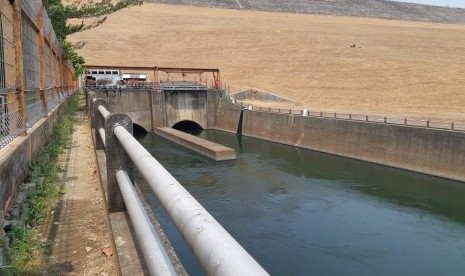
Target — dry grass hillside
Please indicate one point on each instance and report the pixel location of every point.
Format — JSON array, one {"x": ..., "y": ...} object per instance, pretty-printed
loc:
[{"x": 397, "y": 67}]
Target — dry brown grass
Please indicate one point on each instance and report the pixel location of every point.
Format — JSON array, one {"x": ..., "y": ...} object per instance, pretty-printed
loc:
[{"x": 407, "y": 68}]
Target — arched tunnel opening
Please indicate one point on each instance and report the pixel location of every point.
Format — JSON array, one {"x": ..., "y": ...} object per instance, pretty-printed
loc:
[
  {"x": 189, "y": 127},
  {"x": 138, "y": 130}
]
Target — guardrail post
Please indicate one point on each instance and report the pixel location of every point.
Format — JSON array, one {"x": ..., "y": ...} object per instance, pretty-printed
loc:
[
  {"x": 117, "y": 159},
  {"x": 335, "y": 115},
  {"x": 427, "y": 123},
  {"x": 385, "y": 120},
  {"x": 366, "y": 118},
  {"x": 405, "y": 121},
  {"x": 99, "y": 122},
  {"x": 350, "y": 116},
  {"x": 452, "y": 126}
]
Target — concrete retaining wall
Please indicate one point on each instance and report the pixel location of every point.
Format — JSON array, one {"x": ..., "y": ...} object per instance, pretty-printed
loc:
[
  {"x": 15, "y": 156},
  {"x": 165, "y": 109},
  {"x": 425, "y": 150},
  {"x": 186, "y": 105},
  {"x": 134, "y": 103},
  {"x": 436, "y": 152},
  {"x": 212, "y": 107},
  {"x": 228, "y": 116}
]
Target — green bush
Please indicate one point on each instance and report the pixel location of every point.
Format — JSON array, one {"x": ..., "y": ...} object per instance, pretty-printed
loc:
[{"x": 21, "y": 247}]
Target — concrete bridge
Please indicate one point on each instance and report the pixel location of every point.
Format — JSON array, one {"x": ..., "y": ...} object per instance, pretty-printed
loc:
[{"x": 169, "y": 100}]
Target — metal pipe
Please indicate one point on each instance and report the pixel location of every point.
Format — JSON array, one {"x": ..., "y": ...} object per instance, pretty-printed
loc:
[
  {"x": 103, "y": 111},
  {"x": 154, "y": 253},
  {"x": 213, "y": 246},
  {"x": 101, "y": 131}
]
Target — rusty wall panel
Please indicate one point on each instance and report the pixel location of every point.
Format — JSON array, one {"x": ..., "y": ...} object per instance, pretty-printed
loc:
[
  {"x": 31, "y": 8},
  {"x": 7, "y": 56},
  {"x": 30, "y": 56}
]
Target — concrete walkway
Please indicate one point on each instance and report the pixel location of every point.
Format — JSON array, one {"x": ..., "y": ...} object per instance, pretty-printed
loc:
[{"x": 76, "y": 233}]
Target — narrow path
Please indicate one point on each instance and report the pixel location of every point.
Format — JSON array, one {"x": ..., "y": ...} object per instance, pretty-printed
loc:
[{"x": 76, "y": 233}]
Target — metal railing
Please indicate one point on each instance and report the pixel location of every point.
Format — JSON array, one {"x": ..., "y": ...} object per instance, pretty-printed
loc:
[
  {"x": 120, "y": 87},
  {"x": 411, "y": 121},
  {"x": 216, "y": 250},
  {"x": 147, "y": 87}
]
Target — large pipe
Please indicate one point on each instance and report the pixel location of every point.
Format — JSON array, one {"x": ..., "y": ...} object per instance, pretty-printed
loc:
[
  {"x": 101, "y": 131},
  {"x": 103, "y": 111},
  {"x": 217, "y": 251},
  {"x": 158, "y": 262}
]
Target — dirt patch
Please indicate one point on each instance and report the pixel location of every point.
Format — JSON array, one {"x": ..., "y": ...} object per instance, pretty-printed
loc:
[
  {"x": 76, "y": 233},
  {"x": 396, "y": 67}
]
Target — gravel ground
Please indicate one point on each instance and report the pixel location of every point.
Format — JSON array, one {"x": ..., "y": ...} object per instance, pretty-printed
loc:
[{"x": 358, "y": 8}]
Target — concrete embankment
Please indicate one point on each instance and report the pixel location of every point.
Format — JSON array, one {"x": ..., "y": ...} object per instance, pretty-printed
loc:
[
  {"x": 202, "y": 146},
  {"x": 424, "y": 150},
  {"x": 229, "y": 117},
  {"x": 14, "y": 157}
]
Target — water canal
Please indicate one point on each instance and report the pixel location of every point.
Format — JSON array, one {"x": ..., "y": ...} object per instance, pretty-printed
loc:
[{"x": 299, "y": 212}]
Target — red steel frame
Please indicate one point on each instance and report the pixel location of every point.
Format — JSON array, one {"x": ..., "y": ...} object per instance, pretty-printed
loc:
[{"x": 175, "y": 70}]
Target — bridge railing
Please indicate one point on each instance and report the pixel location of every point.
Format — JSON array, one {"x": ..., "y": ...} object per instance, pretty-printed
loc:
[
  {"x": 412, "y": 121},
  {"x": 192, "y": 87},
  {"x": 216, "y": 250}
]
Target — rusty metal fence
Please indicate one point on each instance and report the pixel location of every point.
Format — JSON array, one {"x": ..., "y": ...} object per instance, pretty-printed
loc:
[
  {"x": 35, "y": 75},
  {"x": 11, "y": 121}
]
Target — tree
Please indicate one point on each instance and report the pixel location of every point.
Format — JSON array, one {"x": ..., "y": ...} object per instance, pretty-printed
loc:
[
  {"x": 59, "y": 15},
  {"x": 76, "y": 59}
]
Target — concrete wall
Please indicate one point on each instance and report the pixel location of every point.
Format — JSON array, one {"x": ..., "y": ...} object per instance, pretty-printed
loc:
[
  {"x": 425, "y": 150},
  {"x": 228, "y": 116},
  {"x": 151, "y": 110},
  {"x": 15, "y": 156},
  {"x": 213, "y": 97},
  {"x": 186, "y": 105},
  {"x": 134, "y": 103},
  {"x": 159, "y": 111}
]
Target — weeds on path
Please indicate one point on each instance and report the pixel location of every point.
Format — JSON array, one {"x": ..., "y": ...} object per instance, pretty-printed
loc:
[{"x": 21, "y": 247}]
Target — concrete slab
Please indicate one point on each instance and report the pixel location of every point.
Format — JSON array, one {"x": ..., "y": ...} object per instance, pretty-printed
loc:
[
  {"x": 130, "y": 257},
  {"x": 212, "y": 150}
]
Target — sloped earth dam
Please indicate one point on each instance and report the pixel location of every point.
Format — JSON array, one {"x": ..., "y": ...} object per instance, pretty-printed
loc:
[{"x": 299, "y": 212}]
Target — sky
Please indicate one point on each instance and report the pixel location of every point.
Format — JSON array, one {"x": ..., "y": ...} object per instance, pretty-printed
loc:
[{"x": 450, "y": 3}]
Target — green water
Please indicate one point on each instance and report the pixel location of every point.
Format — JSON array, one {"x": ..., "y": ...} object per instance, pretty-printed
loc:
[{"x": 299, "y": 212}]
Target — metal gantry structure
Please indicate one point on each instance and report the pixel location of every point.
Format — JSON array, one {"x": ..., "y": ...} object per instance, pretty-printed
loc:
[{"x": 156, "y": 70}]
